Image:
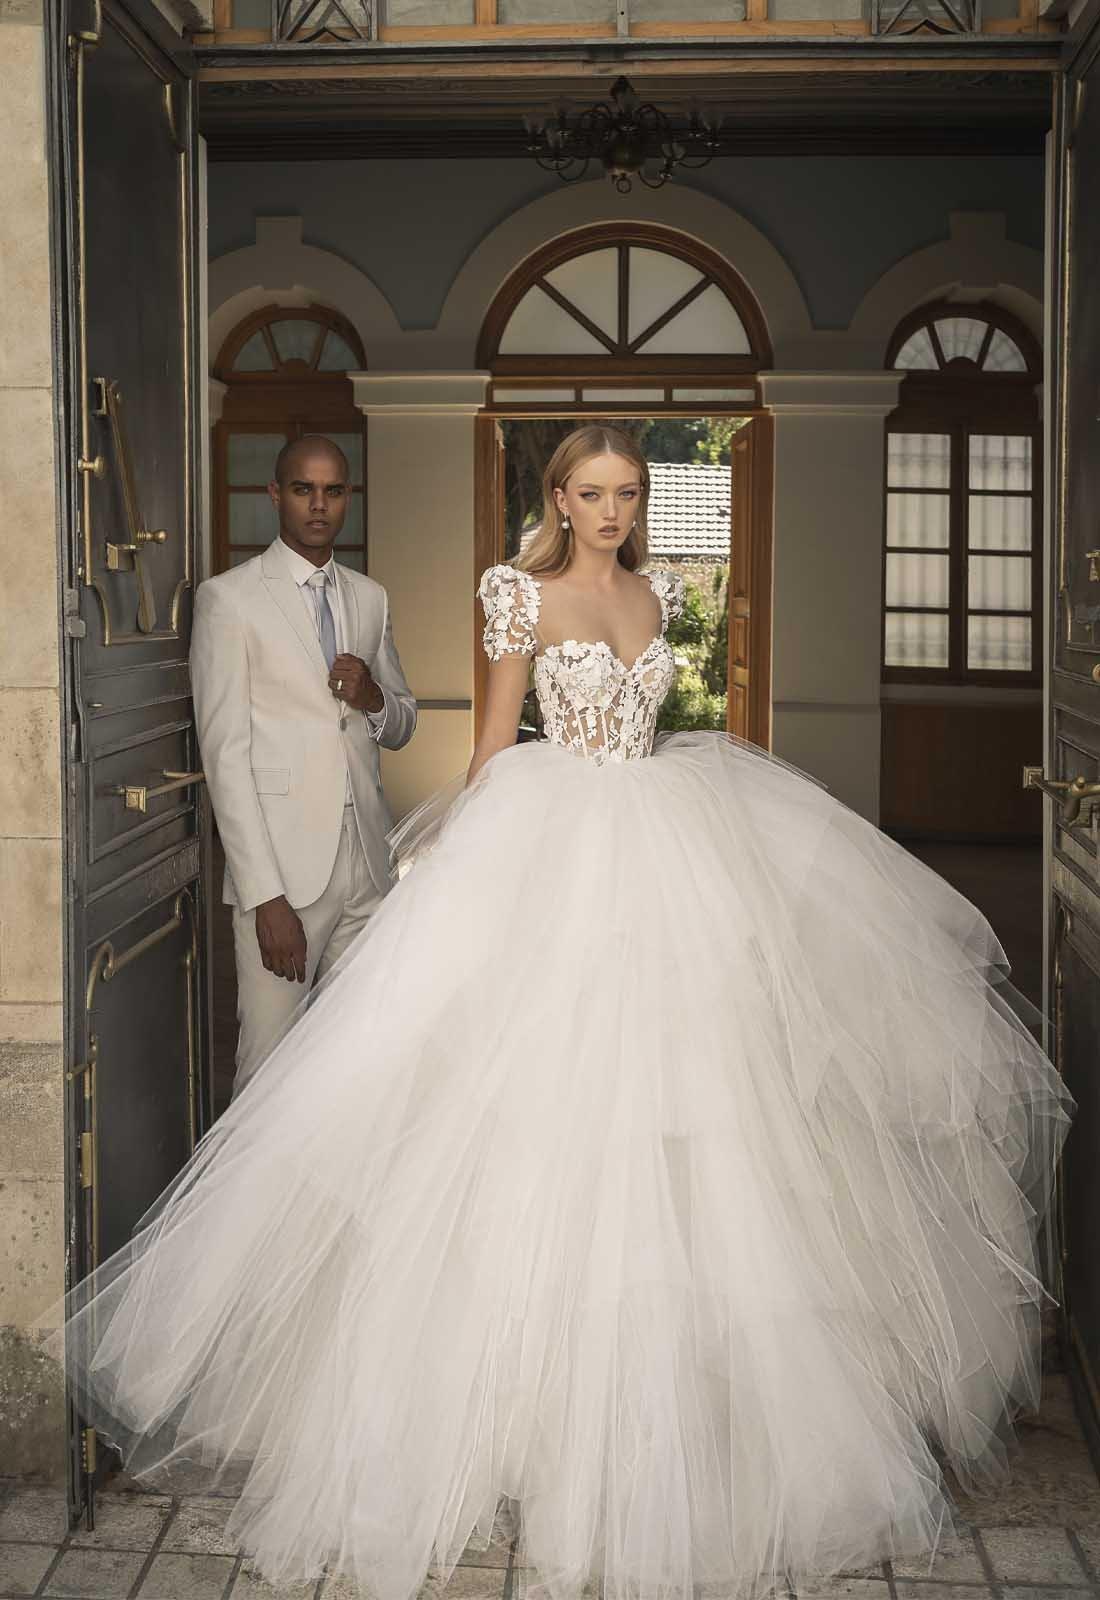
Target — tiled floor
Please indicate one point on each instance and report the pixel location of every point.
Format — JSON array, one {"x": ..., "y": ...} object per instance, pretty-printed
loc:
[{"x": 1037, "y": 1538}]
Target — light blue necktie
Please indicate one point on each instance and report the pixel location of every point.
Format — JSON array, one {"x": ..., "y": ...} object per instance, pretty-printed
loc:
[{"x": 326, "y": 627}]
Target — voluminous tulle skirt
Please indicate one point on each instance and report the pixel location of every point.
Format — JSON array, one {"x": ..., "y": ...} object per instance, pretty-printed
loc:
[{"x": 663, "y": 1157}]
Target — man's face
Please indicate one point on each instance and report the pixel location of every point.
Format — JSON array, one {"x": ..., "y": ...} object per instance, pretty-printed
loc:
[{"x": 312, "y": 499}]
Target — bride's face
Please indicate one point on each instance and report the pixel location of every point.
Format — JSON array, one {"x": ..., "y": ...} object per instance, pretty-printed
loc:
[{"x": 601, "y": 498}]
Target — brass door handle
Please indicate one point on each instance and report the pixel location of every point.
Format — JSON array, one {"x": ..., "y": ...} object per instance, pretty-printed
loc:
[
  {"x": 138, "y": 795},
  {"x": 1072, "y": 794}
]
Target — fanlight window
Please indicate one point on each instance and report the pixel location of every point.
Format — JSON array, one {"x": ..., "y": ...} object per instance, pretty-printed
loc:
[
  {"x": 944, "y": 340},
  {"x": 293, "y": 346}
]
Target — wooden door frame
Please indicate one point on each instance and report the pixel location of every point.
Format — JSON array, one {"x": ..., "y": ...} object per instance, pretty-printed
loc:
[{"x": 489, "y": 531}]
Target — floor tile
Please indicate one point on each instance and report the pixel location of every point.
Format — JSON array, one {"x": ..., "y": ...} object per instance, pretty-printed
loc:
[
  {"x": 199, "y": 1526},
  {"x": 23, "y": 1566},
  {"x": 187, "y": 1577},
  {"x": 1036, "y": 1555},
  {"x": 913, "y": 1589},
  {"x": 249, "y": 1585},
  {"x": 124, "y": 1521},
  {"x": 1089, "y": 1540},
  {"x": 35, "y": 1512},
  {"x": 838, "y": 1588},
  {"x": 96, "y": 1574},
  {"x": 466, "y": 1583},
  {"x": 956, "y": 1560}
]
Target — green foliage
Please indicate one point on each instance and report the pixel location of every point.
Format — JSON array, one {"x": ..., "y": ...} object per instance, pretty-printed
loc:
[{"x": 699, "y": 640}]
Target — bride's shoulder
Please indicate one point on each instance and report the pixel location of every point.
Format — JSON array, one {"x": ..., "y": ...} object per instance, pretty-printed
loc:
[
  {"x": 510, "y": 599},
  {"x": 669, "y": 589}
]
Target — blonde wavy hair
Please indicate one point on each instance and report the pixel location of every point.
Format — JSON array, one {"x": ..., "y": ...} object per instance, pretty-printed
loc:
[{"x": 551, "y": 548}]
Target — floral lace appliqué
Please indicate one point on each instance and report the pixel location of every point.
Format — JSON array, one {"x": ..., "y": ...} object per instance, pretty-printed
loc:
[{"x": 591, "y": 702}]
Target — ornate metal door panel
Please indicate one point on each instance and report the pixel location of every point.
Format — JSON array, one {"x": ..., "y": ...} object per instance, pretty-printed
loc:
[
  {"x": 1073, "y": 709},
  {"x": 124, "y": 170}
]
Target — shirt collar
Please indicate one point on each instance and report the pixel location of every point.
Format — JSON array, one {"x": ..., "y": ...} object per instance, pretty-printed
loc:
[{"x": 302, "y": 570}]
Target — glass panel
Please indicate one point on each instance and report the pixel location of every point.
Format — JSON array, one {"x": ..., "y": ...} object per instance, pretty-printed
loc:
[
  {"x": 352, "y": 558},
  {"x": 918, "y": 519},
  {"x": 676, "y": 11},
  {"x": 916, "y": 639},
  {"x": 1000, "y": 461},
  {"x": 999, "y": 583},
  {"x": 252, "y": 519},
  {"x": 254, "y": 355},
  {"x": 538, "y": 326},
  {"x": 916, "y": 580},
  {"x": 657, "y": 281},
  {"x": 961, "y": 336},
  {"x": 708, "y": 326},
  {"x": 251, "y": 456},
  {"x": 812, "y": 10},
  {"x": 998, "y": 523},
  {"x": 529, "y": 396},
  {"x": 251, "y": 13},
  {"x": 1004, "y": 354},
  {"x": 556, "y": 11},
  {"x": 714, "y": 394},
  {"x": 428, "y": 13},
  {"x": 352, "y": 446},
  {"x": 591, "y": 282},
  {"x": 918, "y": 352},
  {"x": 352, "y": 531},
  {"x": 624, "y": 395},
  {"x": 998, "y": 644},
  {"x": 337, "y": 355},
  {"x": 295, "y": 340},
  {"x": 918, "y": 460}
]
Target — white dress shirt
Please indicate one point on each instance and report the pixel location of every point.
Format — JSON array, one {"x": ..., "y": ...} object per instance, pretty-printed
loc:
[{"x": 302, "y": 571}]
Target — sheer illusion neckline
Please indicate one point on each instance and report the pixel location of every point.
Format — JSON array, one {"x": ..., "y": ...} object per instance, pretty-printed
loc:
[{"x": 602, "y": 644}]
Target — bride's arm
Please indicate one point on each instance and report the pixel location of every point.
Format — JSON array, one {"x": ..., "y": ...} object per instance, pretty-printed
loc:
[{"x": 503, "y": 705}]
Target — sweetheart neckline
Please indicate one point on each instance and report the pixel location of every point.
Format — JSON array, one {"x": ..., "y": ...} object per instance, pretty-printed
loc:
[{"x": 602, "y": 644}]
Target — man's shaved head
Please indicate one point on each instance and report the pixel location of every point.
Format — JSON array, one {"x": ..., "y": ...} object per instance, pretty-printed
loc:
[{"x": 309, "y": 444}]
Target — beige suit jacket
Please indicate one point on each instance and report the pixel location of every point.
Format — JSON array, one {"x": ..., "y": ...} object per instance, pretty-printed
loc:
[{"x": 276, "y": 745}]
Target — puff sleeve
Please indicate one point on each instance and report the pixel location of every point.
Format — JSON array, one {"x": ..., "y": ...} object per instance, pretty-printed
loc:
[{"x": 510, "y": 600}]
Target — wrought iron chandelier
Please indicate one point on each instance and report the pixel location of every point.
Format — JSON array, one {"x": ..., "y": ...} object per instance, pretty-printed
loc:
[{"x": 623, "y": 137}]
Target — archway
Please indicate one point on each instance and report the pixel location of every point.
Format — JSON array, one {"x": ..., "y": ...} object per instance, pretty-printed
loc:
[{"x": 637, "y": 321}]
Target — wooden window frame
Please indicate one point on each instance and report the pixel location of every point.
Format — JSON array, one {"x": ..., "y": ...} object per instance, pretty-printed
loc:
[
  {"x": 293, "y": 399},
  {"x": 960, "y": 401}
]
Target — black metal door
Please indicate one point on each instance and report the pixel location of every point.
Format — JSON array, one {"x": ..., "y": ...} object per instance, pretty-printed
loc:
[
  {"x": 124, "y": 224},
  {"x": 1072, "y": 772}
]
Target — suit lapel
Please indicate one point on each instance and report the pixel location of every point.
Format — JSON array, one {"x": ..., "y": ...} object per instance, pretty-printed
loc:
[{"x": 284, "y": 591}]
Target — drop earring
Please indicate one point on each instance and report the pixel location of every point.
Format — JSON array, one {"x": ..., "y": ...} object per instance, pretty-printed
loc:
[{"x": 565, "y": 521}]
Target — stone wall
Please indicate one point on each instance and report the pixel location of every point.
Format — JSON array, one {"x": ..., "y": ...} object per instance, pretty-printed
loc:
[{"x": 31, "y": 1068}]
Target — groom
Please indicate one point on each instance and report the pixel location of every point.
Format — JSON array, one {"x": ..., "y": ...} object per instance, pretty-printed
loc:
[{"x": 297, "y": 682}]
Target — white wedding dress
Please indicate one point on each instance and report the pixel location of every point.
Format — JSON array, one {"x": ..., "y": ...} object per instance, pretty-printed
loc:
[{"x": 663, "y": 1158}]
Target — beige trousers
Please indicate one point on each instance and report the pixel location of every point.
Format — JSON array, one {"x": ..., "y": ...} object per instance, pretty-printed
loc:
[{"x": 265, "y": 1003}]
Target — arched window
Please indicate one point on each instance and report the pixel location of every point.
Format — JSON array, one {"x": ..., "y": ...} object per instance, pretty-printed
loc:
[
  {"x": 632, "y": 313},
  {"x": 285, "y": 371},
  {"x": 962, "y": 579}
]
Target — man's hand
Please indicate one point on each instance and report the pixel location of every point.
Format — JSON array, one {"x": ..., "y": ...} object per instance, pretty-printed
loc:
[
  {"x": 350, "y": 681},
  {"x": 282, "y": 939}
]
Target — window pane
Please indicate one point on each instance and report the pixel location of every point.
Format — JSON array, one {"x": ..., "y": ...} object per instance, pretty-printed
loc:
[
  {"x": 251, "y": 13},
  {"x": 961, "y": 336},
  {"x": 916, "y": 640},
  {"x": 998, "y": 644},
  {"x": 697, "y": 11},
  {"x": 921, "y": 519},
  {"x": 1004, "y": 354},
  {"x": 918, "y": 352},
  {"x": 352, "y": 446},
  {"x": 254, "y": 355},
  {"x": 427, "y": 13},
  {"x": 556, "y": 11},
  {"x": 352, "y": 531},
  {"x": 539, "y": 326},
  {"x": 999, "y": 523},
  {"x": 591, "y": 283},
  {"x": 918, "y": 460},
  {"x": 251, "y": 457},
  {"x": 916, "y": 580},
  {"x": 295, "y": 340},
  {"x": 708, "y": 326},
  {"x": 337, "y": 355},
  {"x": 352, "y": 558},
  {"x": 1000, "y": 461},
  {"x": 1000, "y": 583},
  {"x": 252, "y": 519}
]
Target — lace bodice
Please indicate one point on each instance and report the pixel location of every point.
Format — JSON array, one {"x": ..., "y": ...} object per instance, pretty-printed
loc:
[{"x": 591, "y": 701}]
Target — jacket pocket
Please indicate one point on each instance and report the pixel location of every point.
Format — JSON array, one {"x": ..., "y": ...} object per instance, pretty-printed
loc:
[{"x": 271, "y": 780}]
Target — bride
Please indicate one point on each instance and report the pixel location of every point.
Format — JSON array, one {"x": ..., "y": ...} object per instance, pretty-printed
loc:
[{"x": 662, "y": 1158}]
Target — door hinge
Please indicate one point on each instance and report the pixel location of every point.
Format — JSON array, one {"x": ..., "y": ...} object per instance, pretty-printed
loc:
[
  {"x": 75, "y": 627},
  {"x": 87, "y": 1449},
  {"x": 87, "y": 1160}
]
